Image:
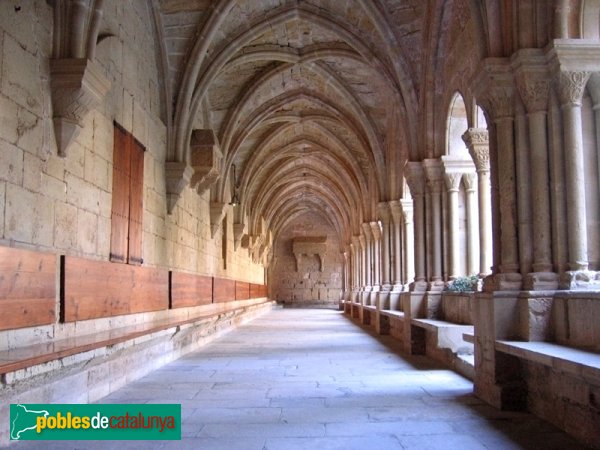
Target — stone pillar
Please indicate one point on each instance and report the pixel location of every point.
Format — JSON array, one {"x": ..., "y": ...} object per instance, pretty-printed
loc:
[
  {"x": 453, "y": 185},
  {"x": 396, "y": 213},
  {"x": 571, "y": 86},
  {"x": 415, "y": 178},
  {"x": 409, "y": 240},
  {"x": 385, "y": 217},
  {"x": 368, "y": 256},
  {"x": 477, "y": 141},
  {"x": 376, "y": 255},
  {"x": 363, "y": 262},
  {"x": 533, "y": 84},
  {"x": 472, "y": 224},
  {"x": 435, "y": 182}
]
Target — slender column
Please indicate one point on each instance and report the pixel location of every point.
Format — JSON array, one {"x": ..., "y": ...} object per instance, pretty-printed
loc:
[
  {"x": 409, "y": 240},
  {"x": 472, "y": 224},
  {"x": 534, "y": 85},
  {"x": 433, "y": 175},
  {"x": 363, "y": 262},
  {"x": 396, "y": 213},
  {"x": 571, "y": 88},
  {"x": 477, "y": 140},
  {"x": 415, "y": 178},
  {"x": 561, "y": 19},
  {"x": 453, "y": 184},
  {"x": 368, "y": 256},
  {"x": 376, "y": 232},
  {"x": 384, "y": 214},
  {"x": 357, "y": 262}
]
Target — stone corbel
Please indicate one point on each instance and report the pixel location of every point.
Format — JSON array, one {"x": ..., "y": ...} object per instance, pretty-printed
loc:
[
  {"x": 217, "y": 212},
  {"x": 178, "y": 176},
  {"x": 205, "y": 156},
  {"x": 77, "y": 86},
  {"x": 238, "y": 233}
]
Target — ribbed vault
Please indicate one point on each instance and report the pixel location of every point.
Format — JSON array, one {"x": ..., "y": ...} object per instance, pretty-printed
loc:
[{"x": 304, "y": 98}]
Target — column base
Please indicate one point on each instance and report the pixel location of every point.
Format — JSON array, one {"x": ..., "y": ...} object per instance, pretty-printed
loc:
[
  {"x": 417, "y": 286},
  {"x": 580, "y": 280},
  {"x": 399, "y": 287},
  {"x": 436, "y": 286},
  {"x": 540, "y": 281},
  {"x": 503, "y": 282}
]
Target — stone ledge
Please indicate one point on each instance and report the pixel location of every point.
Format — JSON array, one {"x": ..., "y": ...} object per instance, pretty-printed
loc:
[
  {"x": 392, "y": 313},
  {"x": 579, "y": 363},
  {"x": 42, "y": 358}
]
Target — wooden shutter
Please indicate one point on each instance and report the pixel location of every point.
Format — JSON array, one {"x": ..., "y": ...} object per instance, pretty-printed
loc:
[
  {"x": 136, "y": 202},
  {"x": 120, "y": 196}
]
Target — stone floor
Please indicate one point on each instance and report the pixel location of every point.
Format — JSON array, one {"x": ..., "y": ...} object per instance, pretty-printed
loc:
[{"x": 312, "y": 379}]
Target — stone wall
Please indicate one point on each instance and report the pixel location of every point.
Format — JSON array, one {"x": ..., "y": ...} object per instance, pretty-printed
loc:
[
  {"x": 63, "y": 205},
  {"x": 307, "y": 285}
]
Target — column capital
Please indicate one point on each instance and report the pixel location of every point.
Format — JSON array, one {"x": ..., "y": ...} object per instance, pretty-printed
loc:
[
  {"x": 355, "y": 241},
  {"x": 415, "y": 177},
  {"x": 362, "y": 241},
  {"x": 477, "y": 141},
  {"x": 367, "y": 233},
  {"x": 470, "y": 180},
  {"x": 571, "y": 86},
  {"x": 375, "y": 230},
  {"x": 493, "y": 84},
  {"x": 452, "y": 180},
  {"x": 532, "y": 78},
  {"x": 383, "y": 210},
  {"x": 407, "y": 209},
  {"x": 396, "y": 211},
  {"x": 454, "y": 168},
  {"x": 434, "y": 174}
]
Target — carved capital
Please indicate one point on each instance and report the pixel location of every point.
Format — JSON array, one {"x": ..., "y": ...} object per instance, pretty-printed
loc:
[
  {"x": 77, "y": 86},
  {"x": 571, "y": 86},
  {"x": 477, "y": 141},
  {"x": 534, "y": 92},
  {"x": 383, "y": 210},
  {"x": 470, "y": 181},
  {"x": 367, "y": 233},
  {"x": 407, "y": 210},
  {"x": 434, "y": 175},
  {"x": 178, "y": 176},
  {"x": 396, "y": 210},
  {"x": 452, "y": 181},
  {"x": 375, "y": 230},
  {"x": 415, "y": 178}
]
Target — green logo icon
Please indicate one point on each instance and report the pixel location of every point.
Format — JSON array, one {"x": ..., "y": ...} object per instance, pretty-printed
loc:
[{"x": 95, "y": 422}]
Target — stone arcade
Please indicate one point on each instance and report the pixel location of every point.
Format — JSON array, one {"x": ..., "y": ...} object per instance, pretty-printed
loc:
[{"x": 169, "y": 169}]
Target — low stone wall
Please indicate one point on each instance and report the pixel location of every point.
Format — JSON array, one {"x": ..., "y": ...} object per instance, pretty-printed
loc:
[{"x": 457, "y": 307}]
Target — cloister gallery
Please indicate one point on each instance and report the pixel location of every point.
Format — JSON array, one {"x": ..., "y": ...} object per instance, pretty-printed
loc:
[{"x": 170, "y": 169}]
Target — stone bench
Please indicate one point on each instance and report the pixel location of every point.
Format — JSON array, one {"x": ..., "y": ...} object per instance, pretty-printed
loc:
[{"x": 558, "y": 383}]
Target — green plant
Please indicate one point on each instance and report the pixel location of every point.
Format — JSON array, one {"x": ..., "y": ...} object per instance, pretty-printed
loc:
[{"x": 463, "y": 284}]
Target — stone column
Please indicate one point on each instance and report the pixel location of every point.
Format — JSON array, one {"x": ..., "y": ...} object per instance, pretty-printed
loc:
[
  {"x": 415, "y": 178},
  {"x": 376, "y": 256},
  {"x": 368, "y": 256},
  {"x": 396, "y": 213},
  {"x": 494, "y": 86},
  {"x": 477, "y": 141},
  {"x": 571, "y": 86},
  {"x": 409, "y": 240},
  {"x": 435, "y": 182},
  {"x": 384, "y": 214},
  {"x": 472, "y": 224},
  {"x": 363, "y": 262},
  {"x": 533, "y": 84},
  {"x": 453, "y": 185}
]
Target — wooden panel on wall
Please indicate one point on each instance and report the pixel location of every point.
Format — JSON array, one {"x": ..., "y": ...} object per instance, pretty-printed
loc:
[
  {"x": 258, "y": 290},
  {"x": 27, "y": 288},
  {"x": 136, "y": 203},
  {"x": 242, "y": 290},
  {"x": 94, "y": 289},
  {"x": 223, "y": 290},
  {"x": 120, "y": 196},
  {"x": 190, "y": 290}
]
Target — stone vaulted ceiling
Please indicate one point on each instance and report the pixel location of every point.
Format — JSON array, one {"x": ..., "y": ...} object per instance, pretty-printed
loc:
[{"x": 307, "y": 99}]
